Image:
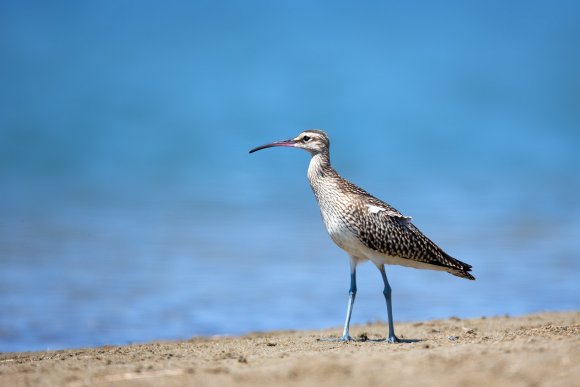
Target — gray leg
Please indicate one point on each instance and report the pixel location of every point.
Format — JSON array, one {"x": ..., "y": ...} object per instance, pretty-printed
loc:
[
  {"x": 387, "y": 292},
  {"x": 351, "y": 297}
]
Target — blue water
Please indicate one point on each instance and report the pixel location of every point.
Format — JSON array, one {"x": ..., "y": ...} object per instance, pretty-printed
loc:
[{"x": 131, "y": 211}]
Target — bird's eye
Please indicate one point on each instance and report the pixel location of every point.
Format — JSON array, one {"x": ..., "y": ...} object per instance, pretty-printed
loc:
[{"x": 305, "y": 138}]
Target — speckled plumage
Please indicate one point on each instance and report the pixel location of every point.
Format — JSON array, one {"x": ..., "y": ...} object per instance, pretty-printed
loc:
[{"x": 385, "y": 236}]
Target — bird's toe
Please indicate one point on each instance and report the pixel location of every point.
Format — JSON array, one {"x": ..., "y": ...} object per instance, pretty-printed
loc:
[{"x": 393, "y": 339}]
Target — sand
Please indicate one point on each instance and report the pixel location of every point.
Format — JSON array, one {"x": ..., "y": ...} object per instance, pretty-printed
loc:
[{"x": 534, "y": 350}]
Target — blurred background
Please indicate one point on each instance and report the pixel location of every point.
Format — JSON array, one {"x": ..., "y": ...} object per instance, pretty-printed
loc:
[{"x": 131, "y": 211}]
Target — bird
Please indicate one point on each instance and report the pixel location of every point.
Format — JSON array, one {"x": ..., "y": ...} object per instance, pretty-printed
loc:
[{"x": 366, "y": 228}]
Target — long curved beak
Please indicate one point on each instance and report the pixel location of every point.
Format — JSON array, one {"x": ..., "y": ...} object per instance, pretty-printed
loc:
[{"x": 276, "y": 143}]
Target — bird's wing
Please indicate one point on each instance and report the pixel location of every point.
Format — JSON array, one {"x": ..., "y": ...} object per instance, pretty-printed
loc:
[
  {"x": 384, "y": 229},
  {"x": 387, "y": 231}
]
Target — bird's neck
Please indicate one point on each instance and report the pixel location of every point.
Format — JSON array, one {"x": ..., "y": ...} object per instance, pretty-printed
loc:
[{"x": 319, "y": 167}]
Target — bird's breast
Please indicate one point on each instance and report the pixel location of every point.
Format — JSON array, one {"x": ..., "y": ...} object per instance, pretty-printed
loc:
[
  {"x": 342, "y": 232},
  {"x": 339, "y": 214}
]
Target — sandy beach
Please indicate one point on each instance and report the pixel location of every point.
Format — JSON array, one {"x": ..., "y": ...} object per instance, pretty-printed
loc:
[{"x": 534, "y": 350}]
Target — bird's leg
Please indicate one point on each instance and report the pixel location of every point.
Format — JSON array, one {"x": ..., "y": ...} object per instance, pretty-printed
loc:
[
  {"x": 351, "y": 297},
  {"x": 387, "y": 292}
]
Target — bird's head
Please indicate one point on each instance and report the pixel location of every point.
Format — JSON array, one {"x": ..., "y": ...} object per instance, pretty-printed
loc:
[{"x": 313, "y": 141}]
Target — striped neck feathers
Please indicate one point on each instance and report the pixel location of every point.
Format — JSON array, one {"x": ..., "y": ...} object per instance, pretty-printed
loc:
[{"x": 319, "y": 166}]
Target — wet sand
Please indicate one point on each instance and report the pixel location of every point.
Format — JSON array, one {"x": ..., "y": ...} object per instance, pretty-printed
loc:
[{"x": 534, "y": 350}]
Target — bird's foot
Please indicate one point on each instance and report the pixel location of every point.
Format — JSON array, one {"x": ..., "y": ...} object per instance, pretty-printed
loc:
[
  {"x": 344, "y": 338},
  {"x": 392, "y": 339}
]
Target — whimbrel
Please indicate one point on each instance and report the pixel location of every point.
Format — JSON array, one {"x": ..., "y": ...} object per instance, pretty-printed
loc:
[{"x": 366, "y": 227}]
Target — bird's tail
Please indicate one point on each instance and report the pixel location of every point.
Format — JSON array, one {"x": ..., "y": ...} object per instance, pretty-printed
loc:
[
  {"x": 462, "y": 274},
  {"x": 460, "y": 269}
]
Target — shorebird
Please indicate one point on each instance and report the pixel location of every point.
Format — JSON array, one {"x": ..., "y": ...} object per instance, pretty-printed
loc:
[{"x": 367, "y": 228}]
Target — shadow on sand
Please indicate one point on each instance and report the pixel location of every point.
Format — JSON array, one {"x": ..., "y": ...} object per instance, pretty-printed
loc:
[{"x": 364, "y": 338}]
